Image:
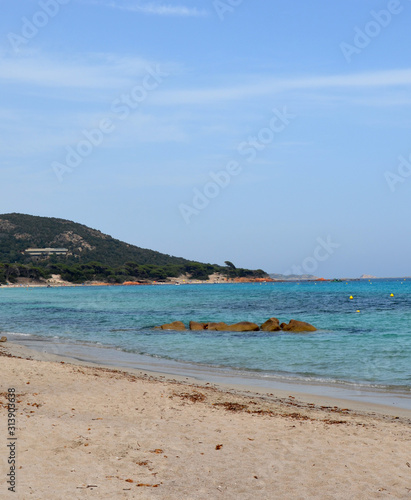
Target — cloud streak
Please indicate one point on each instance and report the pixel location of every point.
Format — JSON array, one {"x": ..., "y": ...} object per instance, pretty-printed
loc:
[
  {"x": 99, "y": 77},
  {"x": 95, "y": 71},
  {"x": 269, "y": 86},
  {"x": 108, "y": 70},
  {"x": 157, "y": 9}
]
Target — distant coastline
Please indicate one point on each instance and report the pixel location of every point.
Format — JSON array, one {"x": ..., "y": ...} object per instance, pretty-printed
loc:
[{"x": 56, "y": 281}]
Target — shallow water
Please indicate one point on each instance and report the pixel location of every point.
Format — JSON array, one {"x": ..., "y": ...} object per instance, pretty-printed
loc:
[{"x": 371, "y": 348}]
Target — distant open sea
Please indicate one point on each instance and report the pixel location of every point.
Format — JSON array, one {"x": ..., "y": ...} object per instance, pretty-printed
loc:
[{"x": 368, "y": 349}]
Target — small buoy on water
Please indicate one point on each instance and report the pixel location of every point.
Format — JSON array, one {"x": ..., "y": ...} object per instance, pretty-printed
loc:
[
  {"x": 358, "y": 311},
  {"x": 351, "y": 297},
  {"x": 392, "y": 295}
]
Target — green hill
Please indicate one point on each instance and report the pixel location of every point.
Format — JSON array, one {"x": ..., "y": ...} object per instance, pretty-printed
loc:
[
  {"x": 19, "y": 232},
  {"x": 91, "y": 254}
]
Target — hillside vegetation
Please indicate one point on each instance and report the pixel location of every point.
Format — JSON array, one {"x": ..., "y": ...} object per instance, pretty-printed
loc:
[{"x": 92, "y": 255}]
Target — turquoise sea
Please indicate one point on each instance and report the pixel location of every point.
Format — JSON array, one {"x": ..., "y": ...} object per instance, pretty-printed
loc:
[{"x": 368, "y": 349}]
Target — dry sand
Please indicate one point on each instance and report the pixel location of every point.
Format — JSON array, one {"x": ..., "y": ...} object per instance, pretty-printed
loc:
[{"x": 87, "y": 432}]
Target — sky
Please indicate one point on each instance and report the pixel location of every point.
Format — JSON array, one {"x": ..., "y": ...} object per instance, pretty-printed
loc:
[{"x": 274, "y": 134}]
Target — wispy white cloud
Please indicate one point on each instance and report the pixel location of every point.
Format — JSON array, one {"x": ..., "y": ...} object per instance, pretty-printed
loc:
[
  {"x": 266, "y": 85},
  {"x": 155, "y": 8},
  {"x": 91, "y": 71}
]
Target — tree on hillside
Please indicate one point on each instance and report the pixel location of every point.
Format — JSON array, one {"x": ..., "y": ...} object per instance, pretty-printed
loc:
[{"x": 230, "y": 264}]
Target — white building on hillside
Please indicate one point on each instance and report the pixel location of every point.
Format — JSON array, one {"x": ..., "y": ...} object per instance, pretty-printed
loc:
[{"x": 45, "y": 252}]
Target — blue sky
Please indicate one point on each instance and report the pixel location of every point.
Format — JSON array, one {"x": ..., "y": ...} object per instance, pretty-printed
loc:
[{"x": 275, "y": 134}]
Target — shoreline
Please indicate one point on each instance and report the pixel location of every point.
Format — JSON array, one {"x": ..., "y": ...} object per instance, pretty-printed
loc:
[
  {"x": 57, "y": 282},
  {"x": 90, "y": 431},
  {"x": 29, "y": 283},
  {"x": 370, "y": 400}
]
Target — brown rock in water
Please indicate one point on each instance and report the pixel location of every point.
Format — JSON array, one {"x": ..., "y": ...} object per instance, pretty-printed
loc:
[
  {"x": 243, "y": 326},
  {"x": 271, "y": 325},
  {"x": 175, "y": 325},
  {"x": 196, "y": 326},
  {"x": 3, "y": 339},
  {"x": 216, "y": 327},
  {"x": 297, "y": 326}
]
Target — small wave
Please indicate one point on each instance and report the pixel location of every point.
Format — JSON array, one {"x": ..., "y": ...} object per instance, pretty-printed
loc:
[
  {"x": 19, "y": 334},
  {"x": 122, "y": 329}
]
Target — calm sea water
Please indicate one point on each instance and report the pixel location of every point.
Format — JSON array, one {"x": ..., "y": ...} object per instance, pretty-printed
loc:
[{"x": 370, "y": 348}]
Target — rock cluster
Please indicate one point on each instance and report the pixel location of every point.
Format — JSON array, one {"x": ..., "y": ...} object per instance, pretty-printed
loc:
[{"x": 271, "y": 325}]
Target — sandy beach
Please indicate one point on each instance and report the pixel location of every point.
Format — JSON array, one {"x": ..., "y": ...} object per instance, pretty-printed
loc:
[{"x": 94, "y": 432}]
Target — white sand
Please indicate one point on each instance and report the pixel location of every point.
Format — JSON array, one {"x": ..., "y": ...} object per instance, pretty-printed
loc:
[{"x": 87, "y": 432}]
